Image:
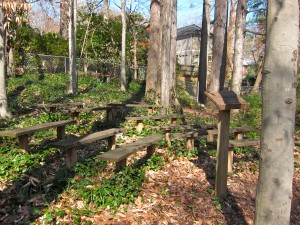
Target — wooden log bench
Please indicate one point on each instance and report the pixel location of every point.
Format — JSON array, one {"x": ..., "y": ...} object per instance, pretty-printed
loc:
[
  {"x": 71, "y": 144},
  {"x": 148, "y": 106},
  {"x": 139, "y": 119},
  {"x": 54, "y": 106},
  {"x": 239, "y": 143},
  {"x": 120, "y": 155},
  {"x": 189, "y": 136},
  {"x": 23, "y": 133}
]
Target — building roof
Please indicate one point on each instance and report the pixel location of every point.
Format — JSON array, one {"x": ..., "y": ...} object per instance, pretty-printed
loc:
[{"x": 188, "y": 31}]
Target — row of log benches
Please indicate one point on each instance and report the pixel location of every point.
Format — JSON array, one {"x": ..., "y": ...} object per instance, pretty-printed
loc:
[{"x": 120, "y": 155}]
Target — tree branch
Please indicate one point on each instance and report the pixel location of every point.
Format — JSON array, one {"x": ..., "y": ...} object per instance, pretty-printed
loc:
[
  {"x": 255, "y": 10},
  {"x": 254, "y": 32}
]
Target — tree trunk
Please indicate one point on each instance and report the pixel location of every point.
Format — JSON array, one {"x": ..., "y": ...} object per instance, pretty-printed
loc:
[
  {"x": 202, "y": 69},
  {"x": 153, "y": 83},
  {"x": 135, "y": 65},
  {"x": 219, "y": 47},
  {"x": 106, "y": 9},
  {"x": 173, "y": 43},
  {"x": 11, "y": 63},
  {"x": 123, "y": 60},
  {"x": 258, "y": 78},
  {"x": 238, "y": 58},
  {"x": 166, "y": 22},
  {"x": 3, "y": 96},
  {"x": 230, "y": 41},
  {"x": 274, "y": 190},
  {"x": 72, "y": 47},
  {"x": 64, "y": 17}
]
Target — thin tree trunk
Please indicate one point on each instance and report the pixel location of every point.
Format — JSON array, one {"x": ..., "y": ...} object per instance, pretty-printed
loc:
[
  {"x": 230, "y": 41},
  {"x": 238, "y": 58},
  {"x": 135, "y": 75},
  {"x": 258, "y": 78},
  {"x": 11, "y": 63},
  {"x": 153, "y": 83},
  {"x": 166, "y": 20},
  {"x": 106, "y": 9},
  {"x": 63, "y": 27},
  {"x": 202, "y": 69},
  {"x": 123, "y": 60},
  {"x": 276, "y": 166},
  {"x": 72, "y": 48},
  {"x": 173, "y": 43},
  {"x": 219, "y": 47},
  {"x": 3, "y": 96}
]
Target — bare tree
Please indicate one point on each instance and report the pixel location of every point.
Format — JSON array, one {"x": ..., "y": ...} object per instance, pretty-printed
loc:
[
  {"x": 202, "y": 70},
  {"x": 64, "y": 18},
  {"x": 238, "y": 58},
  {"x": 219, "y": 47},
  {"x": 123, "y": 60},
  {"x": 276, "y": 166},
  {"x": 106, "y": 9}
]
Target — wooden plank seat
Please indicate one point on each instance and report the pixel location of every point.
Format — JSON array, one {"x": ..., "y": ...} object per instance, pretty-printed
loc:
[
  {"x": 239, "y": 143},
  {"x": 23, "y": 133},
  {"x": 189, "y": 136},
  {"x": 119, "y": 155},
  {"x": 148, "y": 106},
  {"x": 71, "y": 144},
  {"x": 54, "y": 106},
  {"x": 140, "y": 119}
]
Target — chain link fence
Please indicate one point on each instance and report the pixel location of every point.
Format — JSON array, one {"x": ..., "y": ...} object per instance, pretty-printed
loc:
[{"x": 60, "y": 64}]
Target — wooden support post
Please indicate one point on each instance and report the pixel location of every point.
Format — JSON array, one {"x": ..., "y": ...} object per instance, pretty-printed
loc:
[
  {"x": 111, "y": 142},
  {"x": 173, "y": 121},
  {"x": 210, "y": 138},
  {"x": 168, "y": 137},
  {"x": 23, "y": 142},
  {"x": 121, "y": 164},
  {"x": 222, "y": 153},
  {"x": 52, "y": 109},
  {"x": 75, "y": 116},
  {"x": 109, "y": 114},
  {"x": 230, "y": 160},
  {"x": 150, "y": 111},
  {"x": 139, "y": 126},
  {"x": 71, "y": 157},
  {"x": 190, "y": 143},
  {"x": 61, "y": 132},
  {"x": 150, "y": 150}
]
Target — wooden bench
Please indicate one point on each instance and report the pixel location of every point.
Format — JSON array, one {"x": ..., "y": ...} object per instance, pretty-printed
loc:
[
  {"x": 149, "y": 107},
  {"x": 189, "y": 136},
  {"x": 70, "y": 145},
  {"x": 140, "y": 119},
  {"x": 54, "y": 106},
  {"x": 239, "y": 143},
  {"x": 23, "y": 133},
  {"x": 119, "y": 155}
]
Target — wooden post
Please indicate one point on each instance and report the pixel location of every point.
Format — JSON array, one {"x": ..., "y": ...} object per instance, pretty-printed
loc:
[
  {"x": 190, "y": 143},
  {"x": 61, "y": 132},
  {"x": 71, "y": 157},
  {"x": 168, "y": 137},
  {"x": 238, "y": 136},
  {"x": 139, "y": 126},
  {"x": 109, "y": 114},
  {"x": 111, "y": 142},
  {"x": 150, "y": 150},
  {"x": 23, "y": 142},
  {"x": 75, "y": 116},
  {"x": 173, "y": 121},
  {"x": 121, "y": 164},
  {"x": 150, "y": 110},
  {"x": 222, "y": 153}
]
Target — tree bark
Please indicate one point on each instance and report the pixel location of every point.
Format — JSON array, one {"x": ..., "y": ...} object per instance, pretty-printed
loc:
[
  {"x": 11, "y": 63},
  {"x": 173, "y": 43},
  {"x": 238, "y": 58},
  {"x": 166, "y": 21},
  {"x": 274, "y": 190},
  {"x": 72, "y": 47},
  {"x": 219, "y": 47},
  {"x": 258, "y": 78},
  {"x": 230, "y": 41},
  {"x": 123, "y": 59},
  {"x": 202, "y": 69},
  {"x": 153, "y": 83},
  {"x": 64, "y": 17},
  {"x": 106, "y": 9},
  {"x": 3, "y": 96}
]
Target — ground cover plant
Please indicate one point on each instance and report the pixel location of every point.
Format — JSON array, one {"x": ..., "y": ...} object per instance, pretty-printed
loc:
[{"x": 175, "y": 186}]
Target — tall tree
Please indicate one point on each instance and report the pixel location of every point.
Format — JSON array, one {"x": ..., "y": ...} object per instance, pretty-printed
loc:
[
  {"x": 153, "y": 67},
  {"x": 72, "y": 46},
  {"x": 123, "y": 58},
  {"x": 173, "y": 43},
  {"x": 274, "y": 190},
  {"x": 202, "y": 69},
  {"x": 230, "y": 40},
  {"x": 64, "y": 18},
  {"x": 106, "y": 9},
  {"x": 219, "y": 47},
  {"x": 238, "y": 58}
]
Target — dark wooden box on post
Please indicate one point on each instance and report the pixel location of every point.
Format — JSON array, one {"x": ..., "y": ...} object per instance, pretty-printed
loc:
[{"x": 224, "y": 101}]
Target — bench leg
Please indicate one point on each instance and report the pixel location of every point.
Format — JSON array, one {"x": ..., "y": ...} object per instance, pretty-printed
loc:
[
  {"x": 121, "y": 164},
  {"x": 190, "y": 143},
  {"x": 239, "y": 136},
  {"x": 71, "y": 157},
  {"x": 61, "y": 132},
  {"x": 150, "y": 111},
  {"x": 75, "y": 117},
  {"x": 150, "y": 150},
  {"x": 173, "y": 121},
  {"x": 139, "y": 126},
  {"x": 109, "y": 115},
  {"x": 111, "y": 142},
  {"x": 23, "y": 142},
  {"x": 168, "y": 138},
  {"x": 230, "y": 160},
  {"x": 210, "y": 138}
]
